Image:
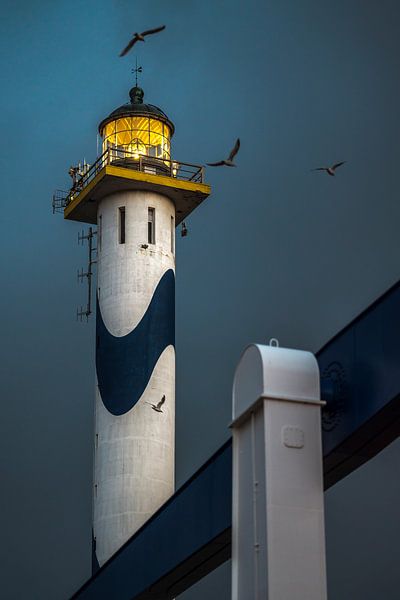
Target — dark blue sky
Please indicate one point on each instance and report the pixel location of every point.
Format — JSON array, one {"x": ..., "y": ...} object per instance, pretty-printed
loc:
[{"x": 276, "y": 251}]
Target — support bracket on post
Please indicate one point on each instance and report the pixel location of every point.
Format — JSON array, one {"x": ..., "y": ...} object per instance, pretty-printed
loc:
[{"x": 278, "y": 540}]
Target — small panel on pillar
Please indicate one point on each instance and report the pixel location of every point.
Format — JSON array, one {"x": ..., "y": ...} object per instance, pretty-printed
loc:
[{"x": 293, "y": 437}]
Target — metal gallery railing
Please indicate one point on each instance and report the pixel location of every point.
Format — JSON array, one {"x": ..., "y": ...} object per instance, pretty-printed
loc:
[{"x": 121, "y": 157}]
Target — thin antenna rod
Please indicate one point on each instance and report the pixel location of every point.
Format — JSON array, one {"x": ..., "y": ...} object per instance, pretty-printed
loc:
[{"x": 136, "y": 70}]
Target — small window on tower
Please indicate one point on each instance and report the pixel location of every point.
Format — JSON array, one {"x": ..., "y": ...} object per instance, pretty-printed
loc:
[
  {"x": 151, "y": 226},
  {"x": 121, "y": 212}
]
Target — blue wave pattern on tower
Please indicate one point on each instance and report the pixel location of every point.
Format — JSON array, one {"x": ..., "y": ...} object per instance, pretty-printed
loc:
[{"x": 124, "y": 364}]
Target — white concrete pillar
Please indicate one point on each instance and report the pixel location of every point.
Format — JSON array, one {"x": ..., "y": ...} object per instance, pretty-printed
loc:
[
  {"x": 278, "y": 541},
  {"x": 135, "y": 363}
]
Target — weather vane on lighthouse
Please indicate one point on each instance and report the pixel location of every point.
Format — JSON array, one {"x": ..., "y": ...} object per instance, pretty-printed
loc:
[{"x": 137, "y": 70}]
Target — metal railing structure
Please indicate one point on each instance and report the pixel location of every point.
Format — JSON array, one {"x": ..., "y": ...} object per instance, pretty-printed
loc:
[{"x": 120, "y": 157}]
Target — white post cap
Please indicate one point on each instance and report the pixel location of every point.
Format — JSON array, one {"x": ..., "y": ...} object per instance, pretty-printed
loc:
[{"x": 276, "y": 373}]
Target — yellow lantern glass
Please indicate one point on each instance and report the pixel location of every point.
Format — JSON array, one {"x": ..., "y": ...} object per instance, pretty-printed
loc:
[{"x": 135, "y": 136}]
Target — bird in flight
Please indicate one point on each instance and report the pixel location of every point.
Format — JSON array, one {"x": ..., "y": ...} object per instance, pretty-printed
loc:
[
  {"x": 229, "y": 161},
  {"x": 139, "y": 37},
  {"x": 157, "y": 407},
  {"x": 330, "y": 170}
]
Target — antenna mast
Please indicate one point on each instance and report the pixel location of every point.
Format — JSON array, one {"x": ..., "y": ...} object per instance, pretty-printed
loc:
[{"x": 89, "y": 274}]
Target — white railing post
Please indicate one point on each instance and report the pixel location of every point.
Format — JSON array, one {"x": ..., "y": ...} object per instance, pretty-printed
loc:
[{"x": 278, "y": 539}]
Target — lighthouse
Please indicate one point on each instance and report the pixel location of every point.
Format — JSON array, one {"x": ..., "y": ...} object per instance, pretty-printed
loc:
[{"x": 137, "y": 194}]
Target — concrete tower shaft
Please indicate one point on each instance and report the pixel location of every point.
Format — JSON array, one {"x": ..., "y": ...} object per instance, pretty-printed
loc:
[{"x": 134, "y": 444}]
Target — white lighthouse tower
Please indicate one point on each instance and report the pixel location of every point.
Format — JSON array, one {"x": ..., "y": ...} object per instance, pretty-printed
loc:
[{"x": 137, "y": 195}]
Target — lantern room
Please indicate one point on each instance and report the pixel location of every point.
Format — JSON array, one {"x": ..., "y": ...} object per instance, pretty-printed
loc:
[
  {"x": 136, "y": 129},
  {"x": 136, "y": 155}
]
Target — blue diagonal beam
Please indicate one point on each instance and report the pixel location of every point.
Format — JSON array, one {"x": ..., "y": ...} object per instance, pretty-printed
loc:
[{"x": 360, "y": 376}]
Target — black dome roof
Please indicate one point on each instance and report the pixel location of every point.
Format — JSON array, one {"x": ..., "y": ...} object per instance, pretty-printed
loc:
[{"x": 136, "y": 108}]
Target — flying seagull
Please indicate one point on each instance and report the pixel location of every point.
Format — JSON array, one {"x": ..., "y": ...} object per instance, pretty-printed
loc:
[
  {"x": 330, "y": 170},
  {"x": 139, "y": 37},
  {"x": 229, "y": 161},
  {"x": 157, "y": 407}
]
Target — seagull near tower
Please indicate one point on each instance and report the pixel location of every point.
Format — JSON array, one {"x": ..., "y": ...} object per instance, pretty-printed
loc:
[
  {"x": 157, "y": 407},
  {"x": 330, "y": 170},
  {"x": 139, "y": 37},
  {"x": 229, "y": 161}
]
